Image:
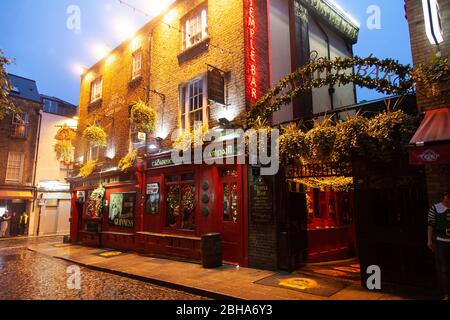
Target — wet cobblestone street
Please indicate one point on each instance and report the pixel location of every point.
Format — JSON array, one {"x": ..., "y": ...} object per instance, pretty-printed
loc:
[{"x": 26, "y": 275}]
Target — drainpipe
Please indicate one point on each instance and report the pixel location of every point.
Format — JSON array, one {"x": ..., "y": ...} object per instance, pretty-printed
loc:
[{"x": 38, "y": 138}]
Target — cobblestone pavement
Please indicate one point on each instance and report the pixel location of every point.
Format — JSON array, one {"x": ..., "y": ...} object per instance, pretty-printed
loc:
[{"x": 25, "y": 275}]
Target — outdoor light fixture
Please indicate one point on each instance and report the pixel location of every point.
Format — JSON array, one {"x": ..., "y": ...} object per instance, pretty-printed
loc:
[
  {"x": 79, "y": 69},
  {"x": 100, "y": 51},
  {"x": 433, "y": 24},
  {"x": 224, "y": 122}
]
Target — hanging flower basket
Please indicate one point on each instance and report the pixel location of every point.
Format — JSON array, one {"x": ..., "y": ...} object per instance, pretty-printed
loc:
[
  {"x": 96, "y": 136},
  {"x": 64, "y": 150},
  {"x": 128, "y": 162},
  {"x": 351, "y": 139},
  {"x": 293, "y": 145},
  {"x": 321, "y": 140},
  {"x": 66, "y": 133},
  {"x": 143, "y": 117},
  {"x": 432, "y": 79},
  {"x": 88, "y": 169}
]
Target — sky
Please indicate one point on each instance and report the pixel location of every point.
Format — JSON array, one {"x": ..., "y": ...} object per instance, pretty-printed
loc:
[{"x": 35, "y": 34}]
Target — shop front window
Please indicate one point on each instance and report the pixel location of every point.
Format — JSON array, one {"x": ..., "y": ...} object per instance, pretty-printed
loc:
[{"x": 180, "y": 202}]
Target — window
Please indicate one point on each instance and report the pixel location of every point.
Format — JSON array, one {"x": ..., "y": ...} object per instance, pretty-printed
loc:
[
  {"x": 96, "y": 90},
  {"x": 195, "y": 28},
  {"x": 137, "y": 65},
  {"x": 14, "y": 169},
  {"x": 51, "y": 106},
  {"x": 193, "y": 103},
  {"x": 19, "y": 127},
  {"x": 180, "y": 202}
]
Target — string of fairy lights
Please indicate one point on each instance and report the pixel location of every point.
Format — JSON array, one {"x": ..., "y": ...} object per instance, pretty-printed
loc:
[{"x": 184, "y": 33}]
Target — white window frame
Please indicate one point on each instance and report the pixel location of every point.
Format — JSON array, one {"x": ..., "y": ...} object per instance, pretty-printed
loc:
[
  {"x": 185, "y": 102},
  {"x": 136, "y": 65},
  {"x": 195, "y": 28},
  {"x": 15, "y": 124},
  {"x": 96, "y": 89},
  {"x": 17, "y": 166}
]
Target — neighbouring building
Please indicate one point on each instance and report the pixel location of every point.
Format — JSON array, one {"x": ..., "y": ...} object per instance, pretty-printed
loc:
[
  {"x": 206, "y": 61},
  {"x": 53, "y": 199},
  {"x": 18, "y": 144},
  {"x": 429, "y": 24}
]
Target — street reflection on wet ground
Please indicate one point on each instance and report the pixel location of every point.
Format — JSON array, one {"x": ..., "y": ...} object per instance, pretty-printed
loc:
[{"x": 26, "y": 275}]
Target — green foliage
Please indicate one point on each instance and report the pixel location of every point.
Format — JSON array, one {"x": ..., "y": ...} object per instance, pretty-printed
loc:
[
  {"x": 292, "y": 144},
  {"x": 143, "y": 117},
  {"x": 127, "y": 162},
  {"x": 88, "y": 169},
  {"x": 66, "y": 133},
  {"x": 96, "y": 136},
  {"x": 378, "y": 139},
  {"x": 6, "y": 106},
  {"x": 432, "y": 78},
  {"x": 305, "y": 78},
  {"x": 64, "y": 150}
]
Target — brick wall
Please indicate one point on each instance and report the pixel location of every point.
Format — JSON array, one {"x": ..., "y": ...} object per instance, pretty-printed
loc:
[
  {"x": 26, "y": 146},
  {"x": 422, "y": 50}
]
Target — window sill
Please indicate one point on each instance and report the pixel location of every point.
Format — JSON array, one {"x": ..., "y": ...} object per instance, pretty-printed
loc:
[
  {"x": 194, "y": 51},
  {"x": 95, "y": 105}
]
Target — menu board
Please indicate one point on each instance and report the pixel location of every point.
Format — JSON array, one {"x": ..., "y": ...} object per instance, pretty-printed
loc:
[{"x": 261, "y": 200}]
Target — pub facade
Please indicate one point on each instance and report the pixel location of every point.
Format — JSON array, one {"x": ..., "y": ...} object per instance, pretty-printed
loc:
[{"x": 208, "y": 62}]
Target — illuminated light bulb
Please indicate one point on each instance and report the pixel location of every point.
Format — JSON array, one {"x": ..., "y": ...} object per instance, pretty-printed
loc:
[
  {"x": 170, "y": 16},
  {"x": 125, "y": 29},
  {"x": 100, "y": 51},
  {"x": 79, "y": 69},
  {"x": 110, "y": 59}
]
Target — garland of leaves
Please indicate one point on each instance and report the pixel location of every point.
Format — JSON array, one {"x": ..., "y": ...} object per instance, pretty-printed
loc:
[
  {"x": 128, "y": 162},
  {"x": 88, "y": 169},
  {"x": 96, "y": 136},
  {"x": 304, "y": 80},
  {"x": 344, "y": 184},
  {"x": 143, "y": 117},
  {"x": 433, "y": 78}
]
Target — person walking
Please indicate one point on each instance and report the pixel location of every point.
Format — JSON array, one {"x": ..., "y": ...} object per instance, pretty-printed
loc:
[
  {"x": 5, "y": 225},
  {"x": 439, "y": 240}
]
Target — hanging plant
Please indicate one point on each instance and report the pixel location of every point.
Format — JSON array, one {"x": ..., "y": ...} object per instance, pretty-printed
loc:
[
  {"x": 64, "y": 150},
  {"x": 321, "y": 140},
  {"x": 352, "y": 139},
  {"x": 143, "y": 117},
  {"x": 88, "y": 169},
  {"x": 433, "y": 78},
  {"x": 292, "y": 145},
  {"x": 128, "y": 162},
  {"x": 188, "y": 139},
  {"x": 66, "y": 133},
  {"x": 96, "y": 136},
  {"x": 390, "y": 132}
]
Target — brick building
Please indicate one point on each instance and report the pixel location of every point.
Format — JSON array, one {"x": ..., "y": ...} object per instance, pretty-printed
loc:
[
  {"x": 18, "y": 143},
  {"x": 206, "y": 61},
  {"x": 430, "y": 38}
]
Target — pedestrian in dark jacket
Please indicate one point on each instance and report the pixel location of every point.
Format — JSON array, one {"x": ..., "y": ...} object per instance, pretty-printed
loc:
[{"x": 15, "y": 221}]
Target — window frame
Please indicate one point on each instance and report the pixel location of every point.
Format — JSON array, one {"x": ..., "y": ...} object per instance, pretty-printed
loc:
[
  {"x": 201, "y": 16},
  {"x": 15, "y": 124},
  {"x": 20, "y": 167},
  {"x": 136, "y": 73},
  {"x": 186, "y": 98},
  {"x": 99, "y": 96}
]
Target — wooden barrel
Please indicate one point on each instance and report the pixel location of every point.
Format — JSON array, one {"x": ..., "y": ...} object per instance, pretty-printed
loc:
[{"x": 212, "y": 255}]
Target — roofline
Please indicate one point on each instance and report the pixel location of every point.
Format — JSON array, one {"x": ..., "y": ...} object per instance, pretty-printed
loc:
[
  {"x": 15, "y": 75},
  {"x": 44, "y": 96},
  {"x": 152, "y": 23}
]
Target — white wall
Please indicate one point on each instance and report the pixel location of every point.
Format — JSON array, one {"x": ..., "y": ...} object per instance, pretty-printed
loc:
[
  {"x": 344, "y": 95},
  {"x": 280, "y": 44}
]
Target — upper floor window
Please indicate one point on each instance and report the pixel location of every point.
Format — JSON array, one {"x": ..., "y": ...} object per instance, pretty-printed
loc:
[
  {"x": 137, "y": 65},
  {"x": 19, "y": 128},
  {"x": 193, "y": 103},
  {"x": 14, "y": 169},
  {"x": 51, "y": 106},
  {"x": 195, "y": 28},
  {"x": 96, "y": 89}
]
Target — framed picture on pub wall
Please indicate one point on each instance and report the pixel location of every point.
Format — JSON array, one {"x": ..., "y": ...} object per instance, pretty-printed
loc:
[
  {"x": 153, "y": 198},
  {"x": 121, "y": 209}
]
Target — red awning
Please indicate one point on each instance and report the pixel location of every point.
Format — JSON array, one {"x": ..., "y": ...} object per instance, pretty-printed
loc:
[{"x": 431, "y": 143}]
